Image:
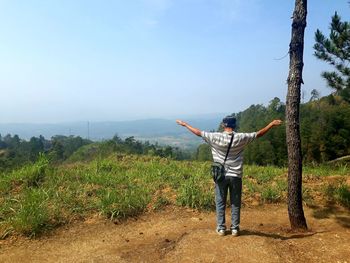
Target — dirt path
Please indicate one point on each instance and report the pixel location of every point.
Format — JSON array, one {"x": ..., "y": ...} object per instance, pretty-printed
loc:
[{"x": 183, "y": 235}]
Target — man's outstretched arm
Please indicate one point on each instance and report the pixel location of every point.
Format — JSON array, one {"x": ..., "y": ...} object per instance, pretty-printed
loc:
[
  {"x": 268, "y": 127},
  {"x": 192, "y": 129}
]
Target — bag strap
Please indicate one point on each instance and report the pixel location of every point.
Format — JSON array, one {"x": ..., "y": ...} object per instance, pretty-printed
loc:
[{"x": 229, "y": 147}]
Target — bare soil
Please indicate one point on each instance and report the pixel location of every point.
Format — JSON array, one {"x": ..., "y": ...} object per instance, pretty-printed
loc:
[{"x": 184, "y": 235}]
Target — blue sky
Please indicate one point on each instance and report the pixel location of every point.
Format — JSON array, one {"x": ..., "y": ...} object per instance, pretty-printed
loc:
[{"x": 78, "y": 60}]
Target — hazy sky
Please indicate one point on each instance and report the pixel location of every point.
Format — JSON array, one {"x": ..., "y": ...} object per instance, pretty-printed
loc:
[{"x": 70, "y": 60}]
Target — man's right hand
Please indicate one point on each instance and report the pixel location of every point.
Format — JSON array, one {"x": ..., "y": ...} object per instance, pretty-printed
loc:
[
  {"x": 193, "y": 130},
  {"x": 182, "y": 123}
]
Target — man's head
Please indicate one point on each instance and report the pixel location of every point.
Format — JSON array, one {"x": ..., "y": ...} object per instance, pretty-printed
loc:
[{"x": 229, "y": 122}]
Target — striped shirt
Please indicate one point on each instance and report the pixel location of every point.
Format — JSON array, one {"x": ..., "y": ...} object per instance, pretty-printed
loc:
[{"x": 219, "y": 142}]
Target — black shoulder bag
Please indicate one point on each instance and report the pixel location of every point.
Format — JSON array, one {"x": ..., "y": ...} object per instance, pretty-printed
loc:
[{"x": 218, "y": 169}]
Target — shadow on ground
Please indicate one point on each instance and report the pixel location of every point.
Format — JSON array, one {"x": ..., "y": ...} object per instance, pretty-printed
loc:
[
  {"x": 341, "y": 215},
  {"x": 276, "y": 236}
]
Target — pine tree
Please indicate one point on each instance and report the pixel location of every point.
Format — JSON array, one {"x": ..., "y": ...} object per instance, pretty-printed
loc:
[
  {"x": 296, "y": 51},
  {"x": 335, "y": 50}
]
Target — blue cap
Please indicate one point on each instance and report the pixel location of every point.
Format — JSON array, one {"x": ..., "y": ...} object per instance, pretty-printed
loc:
[{"x": 229, "y": 122}]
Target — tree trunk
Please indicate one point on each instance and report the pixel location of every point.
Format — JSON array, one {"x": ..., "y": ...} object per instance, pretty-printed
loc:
[{"x": 296, "y": 50}]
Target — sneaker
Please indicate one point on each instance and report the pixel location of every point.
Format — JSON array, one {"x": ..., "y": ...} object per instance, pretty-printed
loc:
[
  {"x": 221, "y": 232},
  {"x": 234, "y": 232}
]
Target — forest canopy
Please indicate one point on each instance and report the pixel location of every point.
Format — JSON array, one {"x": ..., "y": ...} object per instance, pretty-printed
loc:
[{"x": 324, "y": 126}]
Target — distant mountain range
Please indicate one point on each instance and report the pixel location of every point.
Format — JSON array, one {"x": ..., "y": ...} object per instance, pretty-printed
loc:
[{"x": 163, "y": 131}]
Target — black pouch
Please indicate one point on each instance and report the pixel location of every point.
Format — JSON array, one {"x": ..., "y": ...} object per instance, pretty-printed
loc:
[
  {"x": 218, "y": 169},
  {"x": 217, "y": 172}
]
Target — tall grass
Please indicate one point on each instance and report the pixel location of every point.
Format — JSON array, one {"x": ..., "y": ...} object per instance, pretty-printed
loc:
[
  {"x": 41, "y": 196},
  {"x": 196, "y": 193},
  {"x": 31, "y": 212},
  {"x": 327, "y": 170},
  {"x": 339, "y": 193}
]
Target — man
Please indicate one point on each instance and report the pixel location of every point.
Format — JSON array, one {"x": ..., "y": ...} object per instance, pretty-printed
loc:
[{"x": 219, "y": 142}]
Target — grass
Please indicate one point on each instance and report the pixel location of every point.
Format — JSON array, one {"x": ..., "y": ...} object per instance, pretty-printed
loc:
[
  {"x": 271, "y": 195},
  {"x": 31, "y": 214},
  {"x": 39, "y": 197},
  {"x": 195, "y": 192},
  {"x": 327, "y": 170},
  {"x": 339, "y": 193}
]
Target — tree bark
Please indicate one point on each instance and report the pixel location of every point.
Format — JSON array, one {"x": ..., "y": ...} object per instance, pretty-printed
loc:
[{"x": 296, "y": 50}]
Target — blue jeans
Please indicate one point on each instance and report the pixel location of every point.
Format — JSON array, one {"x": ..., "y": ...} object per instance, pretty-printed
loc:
[{"x": 235, "y": 186}]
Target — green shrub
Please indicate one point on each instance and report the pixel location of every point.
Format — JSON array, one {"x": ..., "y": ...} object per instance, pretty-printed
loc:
[
  {"x": 270, "y": 195},
  {"x": 193, "y": 193},
  {"x": 262, "y": 174},
  {"x": 251, "y": 186},
  {"x": 282, "y": 185},
  {"x": 343, "y": 195},
  {"x": 161, "y": 202},
  {"x": 33, "y": 175},
  {"x": 5, "y": 183},
  {"x": 338, "y": 193},
  {"x": 307, "y": 196},
  {"x": 123, "y": 202},
  {"x": 326, "y": 170},
  {"x": 32, "y": 215}
]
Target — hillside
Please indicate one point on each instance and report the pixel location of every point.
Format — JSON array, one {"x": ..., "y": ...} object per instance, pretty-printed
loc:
[{"x": 129, "y": 208}]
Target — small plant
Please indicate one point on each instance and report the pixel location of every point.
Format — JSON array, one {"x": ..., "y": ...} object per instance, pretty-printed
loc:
[
  {"x": 32, "y": 215},
  {"x": 270, "y": 195},
  {"x": 339, "y": 193},
  {"x": 342, "y": 195},
  {"x": 326, "y": 170},
  {"x": 282, "y": 185},
  {"x": 262, "y": 174},
  {"x": 307, "y": 197},
  {"x": 161, "y": 202},
  {"x": 123, "y": 203},
  {"x": 193, "y": 194},
  {"x": 105, "y": 165},
  {"x": 251, "y": 186},
  {"x": 34, "y": 174}
]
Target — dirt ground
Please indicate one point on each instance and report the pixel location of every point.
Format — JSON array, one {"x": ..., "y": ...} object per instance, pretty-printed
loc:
[{"x": 183, "y": 235}]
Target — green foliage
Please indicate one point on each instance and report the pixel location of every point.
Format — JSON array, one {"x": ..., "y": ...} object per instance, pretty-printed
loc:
[
  {"x": 31, "y": 175},
  {"x": 195, "y": 194},
  {"x": 307, "y": 196},
  {"x": 270, "y": 194},
  {"x": 15, "y": 152},
  {"x": 85, "y": 153},
  {"x": 62, "y": 147},
  {"x": 41, "y": 196},
  {"x": 34, "y": 175},
  {"x": 123, "y": 202},
  {"x": 335, "y": 50},
  {"x": 339, "y": 193},
  {"x": 116, "y": 187},
  {"x": 326, "y": 170},
  {"x": 252, "y": 186},
  {"x": 31, "y": 216},
  {"x": 161, "y": 202},
  {"x": 271, "y": 148},
  {"x": 324, "y": 128},
  {"x": 204, "y": 153},
  {"x": 262, "y": 174},
  {"x": 127, "y": 146}
]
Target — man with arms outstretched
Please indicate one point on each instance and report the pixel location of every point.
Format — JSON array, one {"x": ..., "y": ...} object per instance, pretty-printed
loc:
[{"x": 219, "y": 142}]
